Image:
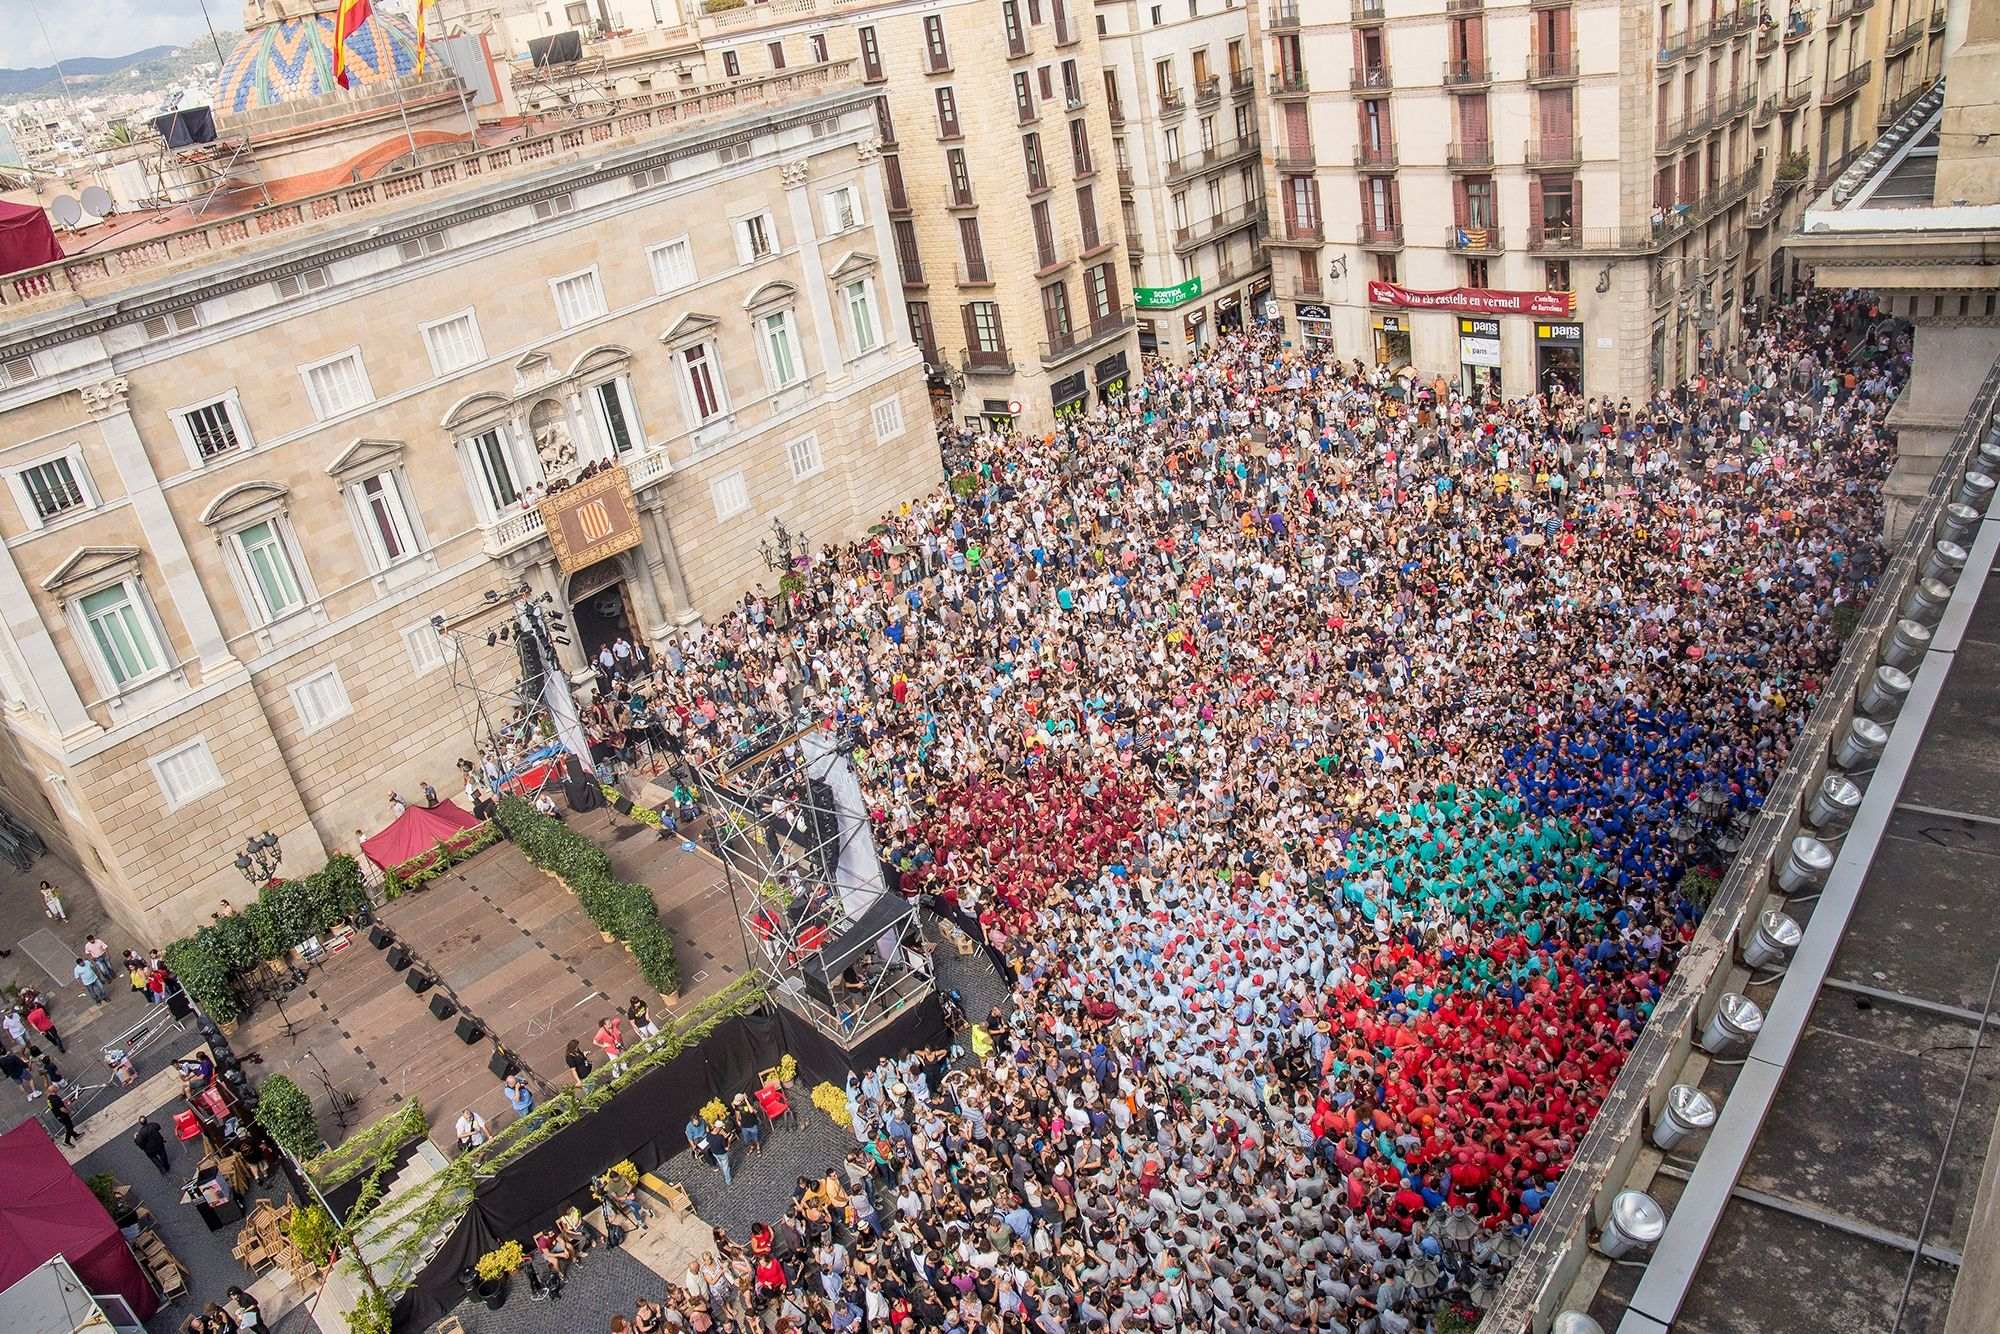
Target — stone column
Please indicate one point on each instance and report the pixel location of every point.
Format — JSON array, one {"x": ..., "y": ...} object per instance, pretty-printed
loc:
[
  {"x": 645, "y": 595},
  {"x": 896, "y": 316},
  {"x": 48, "y": 680},
  {"x": 805, "y": 225},
  {"x": 107, "y": 403},
  {"x": 545, "y": 576},
  {"x": 663, "y": 562}
]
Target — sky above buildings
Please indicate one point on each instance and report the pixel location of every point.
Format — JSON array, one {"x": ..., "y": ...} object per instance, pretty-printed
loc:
[{"x": 109, "y": 27}]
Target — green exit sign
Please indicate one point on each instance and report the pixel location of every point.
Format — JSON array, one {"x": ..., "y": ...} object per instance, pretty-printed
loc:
[{"x": 1166, "y": 298}]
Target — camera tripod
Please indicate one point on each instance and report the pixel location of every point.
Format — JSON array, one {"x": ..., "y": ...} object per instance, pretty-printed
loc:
[{"x": 342, "y": 1103}]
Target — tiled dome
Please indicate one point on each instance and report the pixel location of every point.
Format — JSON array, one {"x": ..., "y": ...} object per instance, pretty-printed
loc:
[{"x": 292, "y": 60}]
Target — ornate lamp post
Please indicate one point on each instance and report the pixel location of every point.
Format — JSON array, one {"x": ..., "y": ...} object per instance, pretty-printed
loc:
[{"x": 260, "y": 858}]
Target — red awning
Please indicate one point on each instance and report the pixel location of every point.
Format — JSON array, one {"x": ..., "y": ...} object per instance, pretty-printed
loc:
[
  {"x": 46, "y": 1211},
  {"x": 26, "y": 239},
  {"x": 416, "y": 831}
]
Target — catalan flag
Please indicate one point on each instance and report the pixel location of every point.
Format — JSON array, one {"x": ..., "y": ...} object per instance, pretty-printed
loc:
[
  {"x": 424, "y": 8},
  {"x": 353, "y": 13},
  {"x": 1472, "y": 238}
]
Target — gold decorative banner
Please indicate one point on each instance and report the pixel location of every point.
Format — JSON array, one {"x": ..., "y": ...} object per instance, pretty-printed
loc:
[{"x": 591, "y": 520}]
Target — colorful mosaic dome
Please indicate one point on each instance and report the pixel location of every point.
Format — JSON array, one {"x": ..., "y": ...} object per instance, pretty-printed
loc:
[{"x": 292, "y": 60}]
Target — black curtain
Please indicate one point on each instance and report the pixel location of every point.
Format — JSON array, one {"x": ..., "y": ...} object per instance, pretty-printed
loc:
[{"x": 438, "y": 1287}]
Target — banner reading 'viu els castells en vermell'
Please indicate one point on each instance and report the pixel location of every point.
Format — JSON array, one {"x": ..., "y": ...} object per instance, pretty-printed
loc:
[{"x": 1473, "y": 300}]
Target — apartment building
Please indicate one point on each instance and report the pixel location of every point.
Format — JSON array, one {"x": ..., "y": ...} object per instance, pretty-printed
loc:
[
  {"x": 1559, "y": 191},
  {"x": 1181, "y": 87},
  {"x": 250, "y": 454}
]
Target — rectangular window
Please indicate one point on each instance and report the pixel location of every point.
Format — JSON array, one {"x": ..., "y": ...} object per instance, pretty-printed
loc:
[
  {"x": 494, "y": 464},
  {"x": 803, "y": 454},
  {"x": 53, "y": 488},
  {"x": 920, "y": 329},
  {"x": 321, "y": 699},
  {"x": 672, "y": 263},
  {"x": 704, "y": 382},
  {"x": 1079, "y": 146},
  {"x": 860, "y": 298},
  {"x": 1072, "y": 86},
  {"x": 731, "y": 66},
  {"x": 578, "y": 298},
  {"x": 122, "y": 633},
  {"x": 975, "y": 249},
  {"x": 425, "y": 647},
  {"x": 871, "y": 56},
  {"x": 211, "y": 429},
  {"x": 936, "y": 55},
  {"x": 947, "y": 114},
  {"x": 755, "y": 238},
  {"x": 888, "y": 415},
  {"x": 454, "y": 343},
  {"x": 555, "y": 206},
  {"x": 983, "y": 324},
  {"x": 1031, "y": 157},
  {"x": 1024, "y": 98},
  {"x": 777, "y": 52},
  {"x": 961, "y": 177},
  {"x": 274, "y": 585},
  {"x": 1099, "y": 280},
  {"x": 1055, "y": 312},
  {"x": 1086, "y": 216},
  {"x": 1045, "y": 236},
  {"x": 613, "y": 416},
  {"x": 338, "y": 384},
  {"x": 730, "y": 495},
  {"x": 384, "y": 520},
  {"x": 174, "y": 322},
  {"x": 908, "y": 258},
  {"x": 1010, "y": 24},
  {"x": 186, "y": 772},
  {"x": 843, "y": 209},
  {"x": 818, "y": 44},
  {"x": 298, "y": 284},
  {"x": 419, "y": 246},
  {"x": 780, "y": 348}
]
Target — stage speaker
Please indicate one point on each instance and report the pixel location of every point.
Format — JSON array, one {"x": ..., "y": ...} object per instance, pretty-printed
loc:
[
  {"x": 399, "y": 958},
  {"x": 622, "y": 804},
  {"x": 468, "y": 1030},
  {"x": 502, "y": 1065},
  {"x": 443, "y": 1006},
  {"x": 381, "y": 937},
  {"x": 417, "y": 980},
  {"x": 178, "y": 1004}
]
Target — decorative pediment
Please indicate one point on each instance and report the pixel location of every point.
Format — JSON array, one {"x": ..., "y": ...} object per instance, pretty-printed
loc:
[
  {"x": 475, "y": 408},
  {"x": 89, "y": 566},
  {"x": 533, "y": 370},
  {"x": 243, "y": 502},
  {"x": 365, "y": 458},
  {"x": 771, "y": 294},
  {"x": 604, "y": 357},
  {"x": 690, "y": 328},
  {"x": 853, "y": 264}
]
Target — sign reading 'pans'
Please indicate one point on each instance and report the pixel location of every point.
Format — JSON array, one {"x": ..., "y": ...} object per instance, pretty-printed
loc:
[{"x": 591, "y": 520}]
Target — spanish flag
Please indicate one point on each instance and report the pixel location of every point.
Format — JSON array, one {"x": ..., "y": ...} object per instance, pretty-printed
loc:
[
  {"x": 424, "y": 7},
  {"x": 353, "y": 13}
]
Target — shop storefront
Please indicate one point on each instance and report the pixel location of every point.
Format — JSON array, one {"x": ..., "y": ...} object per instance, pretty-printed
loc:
[
  {"x": 1229, "y": 314},
  {"x": 1392, "y": 340},
  {"x": 1263, "y": 305},
  {"x": 997, "y": 414},
  {"x": 1194, "y": 327},
  {"x": 1315, "y": 326},
  {"x": 1478, "y": 355},
  {"x": 1111, "y": 373},
  {"x": 1149, "y": 339},
  {"x": 1162, "y": 298},
  {"x": 1070, "y": 395},
  {"x": 1559, "y": 357}
]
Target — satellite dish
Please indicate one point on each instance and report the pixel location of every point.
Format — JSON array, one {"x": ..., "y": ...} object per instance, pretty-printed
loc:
[
  {"x": 67, "y": 211},
  {"x": 97, "y": 201}
]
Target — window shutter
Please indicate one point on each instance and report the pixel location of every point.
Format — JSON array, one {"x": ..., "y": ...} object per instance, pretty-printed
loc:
[
  {"x": 1359, "y": 58},
  {"x": 1298, "y": 129},
  {"x": 1459, "y": 212},
  {"x": 1475, "y": 42},
  {"x": 1576, "y": 204},
  {"x": 1395, "y": 203},
  {"x": 1534, "y": 208}
]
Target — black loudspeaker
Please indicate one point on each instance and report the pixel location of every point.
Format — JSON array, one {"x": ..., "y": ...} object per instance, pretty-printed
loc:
[
  {"x": 469, "y": 1031},
  {"x": 417, "y": 980},
  {"x": 501, "y": 1065},
  {"x": 399, "y": 958},
  {"x": 381, "y": 937},
  {"x": 442, "y": 1006},
  {"x": 177, "y": 1003},
  {"x": 622, "y": 804}
]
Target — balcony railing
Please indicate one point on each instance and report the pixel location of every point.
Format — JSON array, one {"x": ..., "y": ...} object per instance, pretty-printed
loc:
[
  {"x": 1374, "y": 79},
  {"x": 1474, "y": 240},
  {"x": 1467, "y": 73},
  {"x": 1550, "y": 67},
  {"x": 1376, "y": 155},
  {"x": 1368, "y": 11},
  {"x": 986, "y": 361},
  {"x": 1382, "y": 235},
  {"x": 1674, "y": 45},
  {"x": 1469, "y": 154},
  {"x": 1798, "y": 27},
  {"x": 1242, "y": 80},
  {"x": 1909, "y": 36},
  {"x": 1767, "y": 111},
  {"x": 1065, "y": 346},
  {"x": 1552, "y": 151},
  {"x": 1797, "y": 95},
  {"x": 1281, "y": 17},
  {"x": 1171, "y": 102},
  {"x": 1840, "y": 11},
  {"x": 1937, "y": 16},
  {"x": 1738, "y": 103},
  {"x": 1900, "y": 103},
  {"x": 1304, "y": 229},
  {"x": 1220, "y": 224},
  {"x": 1215, "y": 155},
  {"x": 1209, "y": 89},
  {"x": 1848, "y": 84},
  {"x": 1463, "y": 6},
  {"x": 973, "y": 274},
  {"x": 1554, "y": 235},
  {"x": 1767, "y": 38},
  {"x": 1289, "y": 83},
  {"x": 1294, "y": 159},
  {"x": 1125, "y": 179}
]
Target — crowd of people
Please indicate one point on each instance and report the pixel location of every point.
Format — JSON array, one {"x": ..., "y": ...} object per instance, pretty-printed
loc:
[{"x": 1324, "y": 750}]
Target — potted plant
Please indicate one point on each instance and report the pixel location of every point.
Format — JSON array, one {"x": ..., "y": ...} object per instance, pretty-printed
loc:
[
  {"x": 494, "y": 1269},
  {"x": 788, "y": 1069},
  {"x": 713, "y": 1112}
]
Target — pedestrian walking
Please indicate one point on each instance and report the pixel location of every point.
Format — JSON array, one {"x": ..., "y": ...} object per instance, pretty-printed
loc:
[
  {"x": 38, "y": 1019},
  {"x": 52, "y": 903},
  {"x": 59, "y": 1108},
  {"x": 86, "y": 973},
  {"x": 152, "y": 1143}
]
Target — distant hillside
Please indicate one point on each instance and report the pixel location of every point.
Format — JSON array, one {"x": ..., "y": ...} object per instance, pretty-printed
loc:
[{"x": 86, "y": 69}]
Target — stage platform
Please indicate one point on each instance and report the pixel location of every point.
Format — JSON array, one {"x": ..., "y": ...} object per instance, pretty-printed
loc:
[{"x": 517, "y": 953}]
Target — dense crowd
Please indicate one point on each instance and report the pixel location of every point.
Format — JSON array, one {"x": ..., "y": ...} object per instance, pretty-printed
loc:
[{"x": 1324, "y": 749}]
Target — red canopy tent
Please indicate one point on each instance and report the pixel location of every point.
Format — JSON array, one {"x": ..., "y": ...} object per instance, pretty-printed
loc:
[
  {"x": 26, "y": 239},
  {"x": 416, "y": 831},
  {"x": 46, "y": 1211}
]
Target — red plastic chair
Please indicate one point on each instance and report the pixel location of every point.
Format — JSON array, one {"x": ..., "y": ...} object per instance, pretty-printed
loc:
[
  {"x": 186, "y": 1126},
  {"x": 771, "y": 1099}
]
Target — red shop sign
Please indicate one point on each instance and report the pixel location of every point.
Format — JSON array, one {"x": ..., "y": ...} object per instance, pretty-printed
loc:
[{"x": 1473, "y": 300}]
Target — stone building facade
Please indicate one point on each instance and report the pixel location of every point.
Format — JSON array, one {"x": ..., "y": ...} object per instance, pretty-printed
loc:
[
  {"x": 251, "y": 456},
  {"x": 1572, "y": 190}
]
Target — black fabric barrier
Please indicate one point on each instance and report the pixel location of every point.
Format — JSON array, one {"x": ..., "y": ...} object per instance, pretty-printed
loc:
[{"x": 821, "y": 1058}]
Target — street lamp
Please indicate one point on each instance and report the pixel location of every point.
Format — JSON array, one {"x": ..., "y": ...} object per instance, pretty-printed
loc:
[{"x": 260, "y": 858}]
